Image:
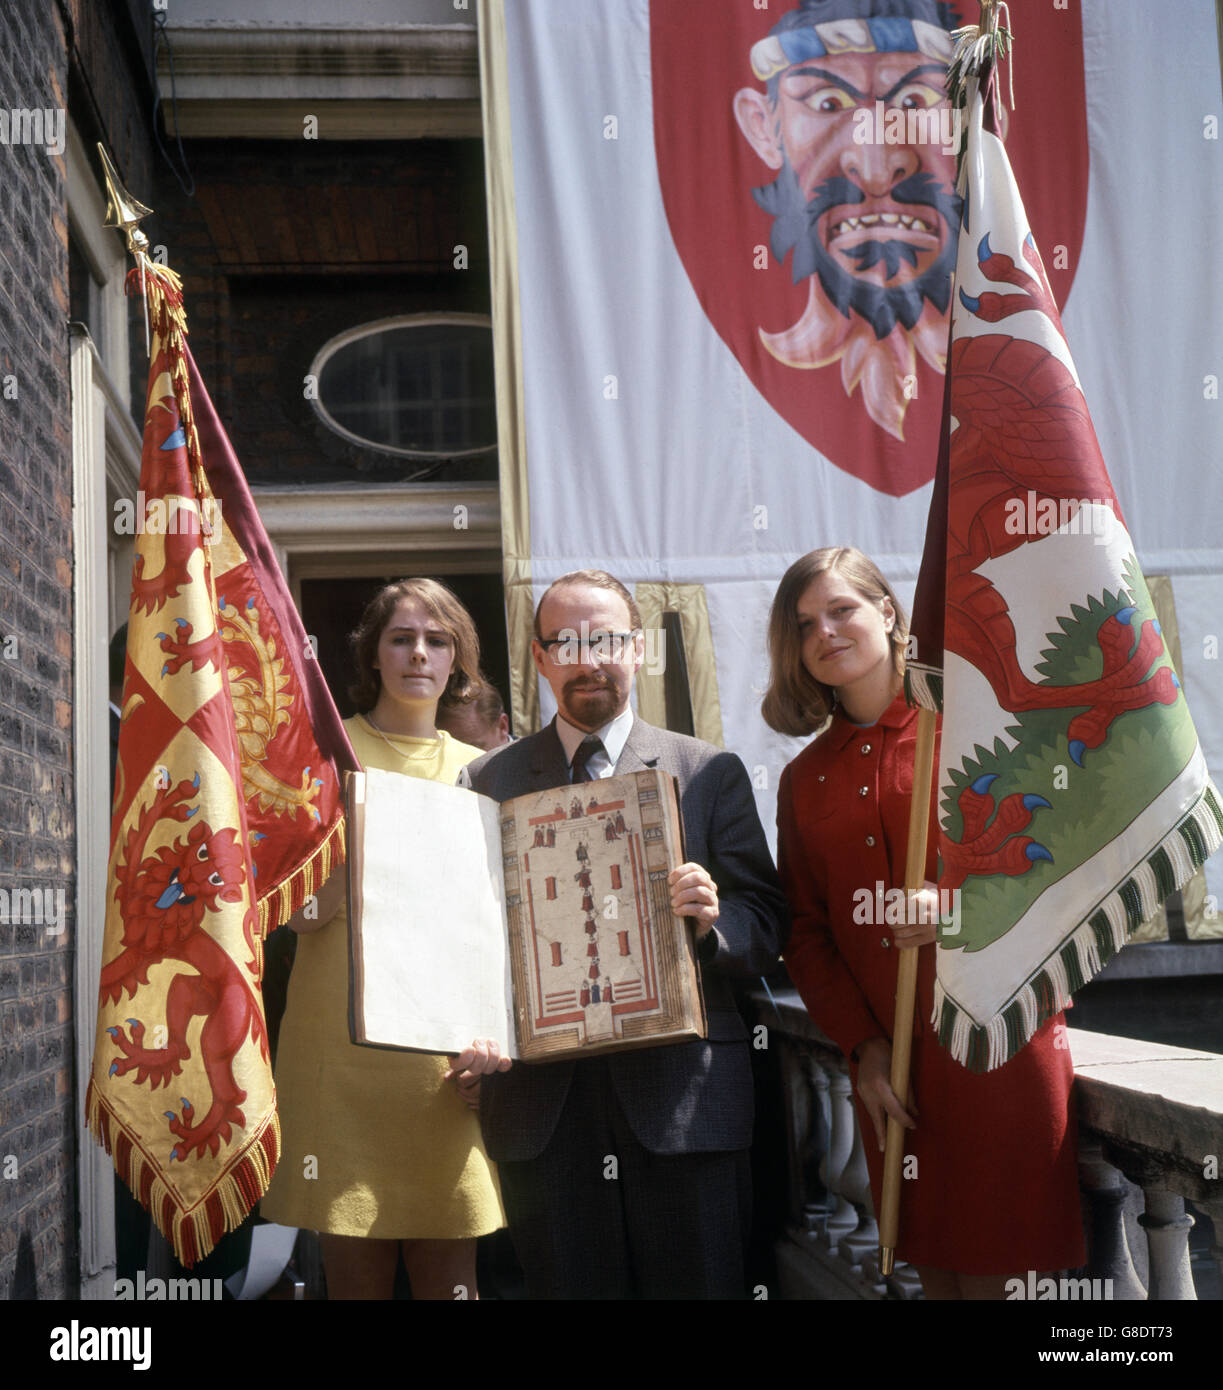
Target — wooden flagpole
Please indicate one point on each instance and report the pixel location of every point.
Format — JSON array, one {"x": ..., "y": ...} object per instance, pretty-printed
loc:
[
  {"x": 906, "y": 990},
  {"x": 987, "y": 36}
]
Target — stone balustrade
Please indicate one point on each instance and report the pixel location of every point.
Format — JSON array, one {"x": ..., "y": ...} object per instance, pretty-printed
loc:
[
  {"x": 1150, "y": 1137},
  {"x": 1155, "y": 1115}
]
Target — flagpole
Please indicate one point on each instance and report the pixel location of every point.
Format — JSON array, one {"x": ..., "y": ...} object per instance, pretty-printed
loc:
[
  {"x": 906, "y": 990},
  {"x": 126, "y": 213},
  {"x": 975, "y": 51}
]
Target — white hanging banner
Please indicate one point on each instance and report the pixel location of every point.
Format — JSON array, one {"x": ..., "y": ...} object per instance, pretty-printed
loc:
[{"x": 723, "y": 241}]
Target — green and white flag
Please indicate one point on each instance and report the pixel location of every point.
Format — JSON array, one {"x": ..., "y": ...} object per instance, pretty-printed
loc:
[{"x": 1073, "y": 794}]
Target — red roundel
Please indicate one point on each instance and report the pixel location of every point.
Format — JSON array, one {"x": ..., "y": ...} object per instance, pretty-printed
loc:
[{"x": 814, "y": 212}]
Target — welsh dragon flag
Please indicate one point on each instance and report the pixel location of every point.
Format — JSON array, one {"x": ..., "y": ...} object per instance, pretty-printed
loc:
[
  {"x": 1073, "y": 794},
  {"x": 227, "y": 814}
]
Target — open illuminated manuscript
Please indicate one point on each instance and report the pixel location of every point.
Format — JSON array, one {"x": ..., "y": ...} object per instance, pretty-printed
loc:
[{"x": 544, "y": 922}]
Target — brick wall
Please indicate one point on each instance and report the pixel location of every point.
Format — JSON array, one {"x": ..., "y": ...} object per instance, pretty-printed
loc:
[
  {"x": 86, "y": 58},
  {"x": 110, "y": 88},
  {"x": 37, "y": 1100},
  {"x": 110, "y": 97},
  {"x": 286, "y": 244}
]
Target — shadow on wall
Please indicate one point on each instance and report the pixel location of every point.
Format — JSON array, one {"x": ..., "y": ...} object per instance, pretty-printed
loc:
[{"x": 25, "y": 1284}]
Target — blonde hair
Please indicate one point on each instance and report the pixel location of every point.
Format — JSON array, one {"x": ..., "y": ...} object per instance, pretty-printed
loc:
[
  {"x": 795, "y": 702},
  {"x": 445, "y": 608}
]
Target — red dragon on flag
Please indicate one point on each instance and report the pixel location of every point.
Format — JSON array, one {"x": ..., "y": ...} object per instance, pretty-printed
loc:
[
  {"x": 1075, "y": 796},
  {"x": 227, "y": 815}
]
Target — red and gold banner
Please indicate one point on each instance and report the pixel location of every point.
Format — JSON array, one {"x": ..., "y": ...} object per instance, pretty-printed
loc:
[{"x": 227, "y": 815}]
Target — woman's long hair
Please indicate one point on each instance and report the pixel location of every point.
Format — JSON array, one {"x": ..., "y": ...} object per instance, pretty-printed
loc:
[
  {"x": 795, "y": 702},
  {"x": 449, "y": 614}
]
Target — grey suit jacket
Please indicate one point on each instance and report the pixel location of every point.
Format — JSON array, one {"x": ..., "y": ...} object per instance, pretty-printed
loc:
[{"x": 681, "y": 1098}]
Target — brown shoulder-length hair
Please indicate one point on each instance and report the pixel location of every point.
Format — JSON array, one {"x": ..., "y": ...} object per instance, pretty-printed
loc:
[
  {"x": 449, "y": 614},
  {"x": 796, "y": 703}
]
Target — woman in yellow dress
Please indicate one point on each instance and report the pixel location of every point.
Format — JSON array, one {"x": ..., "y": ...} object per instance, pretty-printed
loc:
[{"x": 381, "y": 1150}]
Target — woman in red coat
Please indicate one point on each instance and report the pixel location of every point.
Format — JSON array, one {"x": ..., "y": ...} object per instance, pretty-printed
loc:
[{"x": 993, "y": 1191}]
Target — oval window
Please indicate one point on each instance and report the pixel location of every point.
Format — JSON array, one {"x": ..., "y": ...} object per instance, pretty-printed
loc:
[{"x": 420, "y": 385}]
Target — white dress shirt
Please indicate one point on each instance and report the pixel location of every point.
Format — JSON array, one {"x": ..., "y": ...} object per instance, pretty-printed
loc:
[{"x": 613, "y": 735}]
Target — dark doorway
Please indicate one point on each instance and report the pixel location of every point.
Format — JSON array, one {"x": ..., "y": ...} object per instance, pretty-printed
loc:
[{"x": 331, "y": 608}]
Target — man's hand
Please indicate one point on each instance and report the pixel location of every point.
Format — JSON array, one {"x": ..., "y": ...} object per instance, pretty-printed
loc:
[
  {"x": 875, "y": 1088},
  {"x": 694, "y": 894},
  {"x": 481, "y": 1058},
  {"x": 921, "y": 924}
]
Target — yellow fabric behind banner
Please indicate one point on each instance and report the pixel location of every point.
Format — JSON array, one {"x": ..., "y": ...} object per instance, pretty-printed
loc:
[
  {"x": 688, "y": 600},
  {"x": 507, "y": 357},
  {"x": 1199, "y": 926}
]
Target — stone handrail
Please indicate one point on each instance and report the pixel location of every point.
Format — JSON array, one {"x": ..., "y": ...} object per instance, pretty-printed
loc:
[
  {"x": 1155, "y": 1114},
  {"x": 1149, "y": 1114}
]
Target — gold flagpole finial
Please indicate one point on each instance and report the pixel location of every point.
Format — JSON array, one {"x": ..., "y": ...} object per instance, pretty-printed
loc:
[
  {"x": 125, "y": 212},
  {"x": 122, "y": 210}
]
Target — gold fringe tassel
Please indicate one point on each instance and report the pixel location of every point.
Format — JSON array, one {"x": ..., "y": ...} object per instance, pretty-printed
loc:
[
  {"x": 192, "y": 1234},
  {"x": 278, "y": 904}
]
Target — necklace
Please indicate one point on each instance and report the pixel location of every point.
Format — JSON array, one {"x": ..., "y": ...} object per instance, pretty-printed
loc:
[{"x": 399, "y": 752}]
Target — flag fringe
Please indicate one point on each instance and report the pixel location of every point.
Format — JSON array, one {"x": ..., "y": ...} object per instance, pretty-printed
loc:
[
  {"x": 1098, "y": 938},
  {"x": 163, "y": 292},
  {"x": 924, "y": 686},
  {"x": 978, "y": 47},
  {"x": 278, "y": 904},
  {"x": 195, "y": 1233}
]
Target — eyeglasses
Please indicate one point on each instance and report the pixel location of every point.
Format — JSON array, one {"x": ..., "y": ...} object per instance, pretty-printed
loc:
[{"x": 569, "y": 648}]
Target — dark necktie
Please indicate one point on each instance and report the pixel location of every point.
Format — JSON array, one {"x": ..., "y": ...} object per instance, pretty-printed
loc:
[{"x": 587, "y": 749}]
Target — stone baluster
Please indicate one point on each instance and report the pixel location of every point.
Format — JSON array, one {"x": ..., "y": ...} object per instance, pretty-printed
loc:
[
  {"x": 1166, "y": 1222},
  {"x": 842, "y": 1218},
  {"x": 1214, "y": 1209},
  {"x": 820, "y": 1201},
  {"x": 1108, "y": 1249},
  {"x": 856, "y": 1184},
  {"x": 1140, "y": 1117},
  {"x": 797, "y": 1100},
  {"x": 861, "y": 1247},
  {"x": 1167, "y": 1225}
]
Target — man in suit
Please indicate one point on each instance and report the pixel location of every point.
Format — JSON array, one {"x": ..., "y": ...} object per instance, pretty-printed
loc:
[{"x": 627, "y": 1175}]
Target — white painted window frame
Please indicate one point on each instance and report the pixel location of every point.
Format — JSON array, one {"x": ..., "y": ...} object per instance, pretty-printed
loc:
[
  {"x": 377, "y": 529},
  {"x": 105, "y": 467},
  {"x": 374, "y": 329}
]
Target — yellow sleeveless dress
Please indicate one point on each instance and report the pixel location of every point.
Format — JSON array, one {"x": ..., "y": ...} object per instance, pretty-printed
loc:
[{"x": 374, "y": 1143}]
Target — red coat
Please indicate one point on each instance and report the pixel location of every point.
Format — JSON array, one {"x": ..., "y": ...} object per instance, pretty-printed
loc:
[{"x": 996, "y": 1185}]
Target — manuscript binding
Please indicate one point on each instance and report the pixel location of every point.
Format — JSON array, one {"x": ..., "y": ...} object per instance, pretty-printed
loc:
[{"x": 544, "y": 921}]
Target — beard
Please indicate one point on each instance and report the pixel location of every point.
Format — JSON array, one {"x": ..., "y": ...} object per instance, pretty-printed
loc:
[
  {"x": 590, "y": 702},
  {"x": 796, "y": 227}
]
